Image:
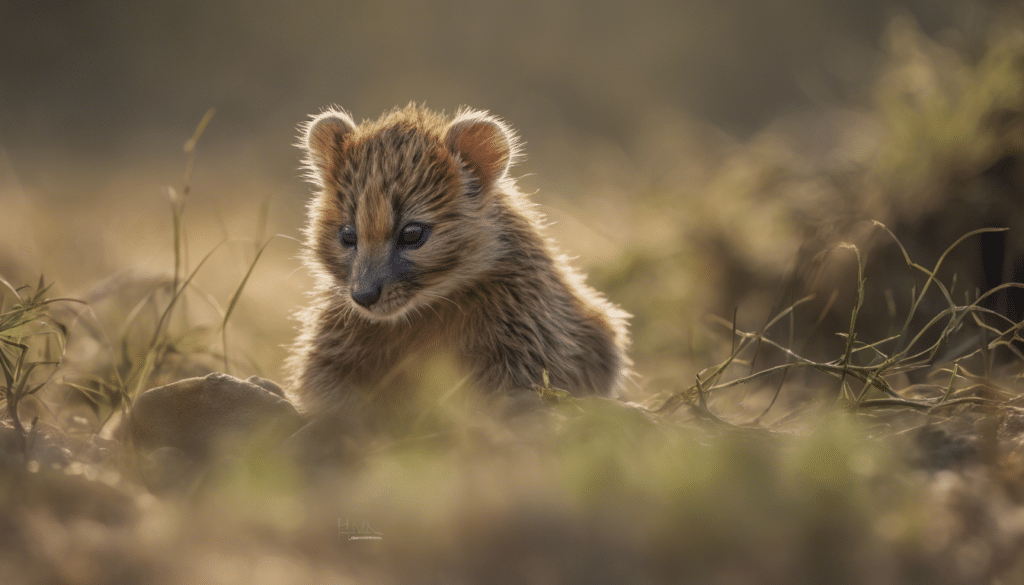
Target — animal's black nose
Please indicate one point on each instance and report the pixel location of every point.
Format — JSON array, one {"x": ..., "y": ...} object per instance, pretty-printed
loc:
[{"x": 367, "y": 296}]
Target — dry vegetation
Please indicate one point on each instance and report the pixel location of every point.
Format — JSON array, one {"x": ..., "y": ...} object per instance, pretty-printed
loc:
[{"x": 853, "y": 416}]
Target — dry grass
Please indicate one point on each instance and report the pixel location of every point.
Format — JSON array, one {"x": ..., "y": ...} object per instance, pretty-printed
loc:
[{"x": 896, "y": 458}]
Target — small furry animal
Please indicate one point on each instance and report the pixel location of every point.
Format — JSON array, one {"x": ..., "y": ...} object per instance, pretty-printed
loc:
[{"x": 418, "y": 240}]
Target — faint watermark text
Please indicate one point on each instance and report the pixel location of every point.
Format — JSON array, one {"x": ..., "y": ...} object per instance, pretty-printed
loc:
[{"x": 357, "y": 530}]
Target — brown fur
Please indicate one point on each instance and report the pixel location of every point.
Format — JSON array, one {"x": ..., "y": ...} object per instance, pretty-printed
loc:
[{"x": 486, "y": 287}]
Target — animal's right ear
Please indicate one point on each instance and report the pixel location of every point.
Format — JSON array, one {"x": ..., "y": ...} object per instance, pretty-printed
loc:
[{"x": 323, "y": 138}]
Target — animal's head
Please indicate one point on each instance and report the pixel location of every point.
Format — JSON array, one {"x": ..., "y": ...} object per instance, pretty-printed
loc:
[{"x": 400, "y": 220}]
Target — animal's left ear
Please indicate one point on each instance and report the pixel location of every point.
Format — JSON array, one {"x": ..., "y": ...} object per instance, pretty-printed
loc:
[{"x": 485, "y": 144}]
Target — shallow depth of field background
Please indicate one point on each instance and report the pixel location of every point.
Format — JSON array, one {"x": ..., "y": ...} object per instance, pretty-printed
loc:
[
  {"x": 626, "y": 111},
  {"x": 703, "y": 161}
]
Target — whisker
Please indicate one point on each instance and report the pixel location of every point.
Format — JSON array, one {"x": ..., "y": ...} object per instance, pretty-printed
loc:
[{"x": 444, "y": 298}]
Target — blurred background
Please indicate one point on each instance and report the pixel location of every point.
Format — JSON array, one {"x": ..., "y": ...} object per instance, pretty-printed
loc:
[
  {"x": 645, "y": 122},
  {"x": 704, "y": 160}
]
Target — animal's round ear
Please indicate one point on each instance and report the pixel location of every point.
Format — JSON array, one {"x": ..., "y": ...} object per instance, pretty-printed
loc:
[
  {"x": 485, "y": 144},
  {"x": 323, "y": 137}
]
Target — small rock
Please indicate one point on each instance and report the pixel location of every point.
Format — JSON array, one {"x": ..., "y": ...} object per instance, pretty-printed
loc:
[
  {"x": 203, "y": 416},
  {"x": 97, "y": 450},
  {"x": 269, "y": 385},
  {"x": 1012, "y": 426},
  {"x": 941, "y": 449}
]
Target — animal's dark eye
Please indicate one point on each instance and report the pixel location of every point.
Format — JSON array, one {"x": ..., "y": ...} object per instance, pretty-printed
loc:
[
  {"x": 413, "y": 235},
  {"x": 348, "y": 236}
]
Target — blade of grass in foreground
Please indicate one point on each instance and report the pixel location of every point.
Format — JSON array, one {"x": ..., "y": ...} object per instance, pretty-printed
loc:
[
  {"x": 147, "y": 365},
  {"x": 238, "y": 294}
]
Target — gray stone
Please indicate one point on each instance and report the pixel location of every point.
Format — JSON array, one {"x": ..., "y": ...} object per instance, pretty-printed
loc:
[
  {"x": 209, "y": 416},
  {"x": 266, "y": 384}
]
